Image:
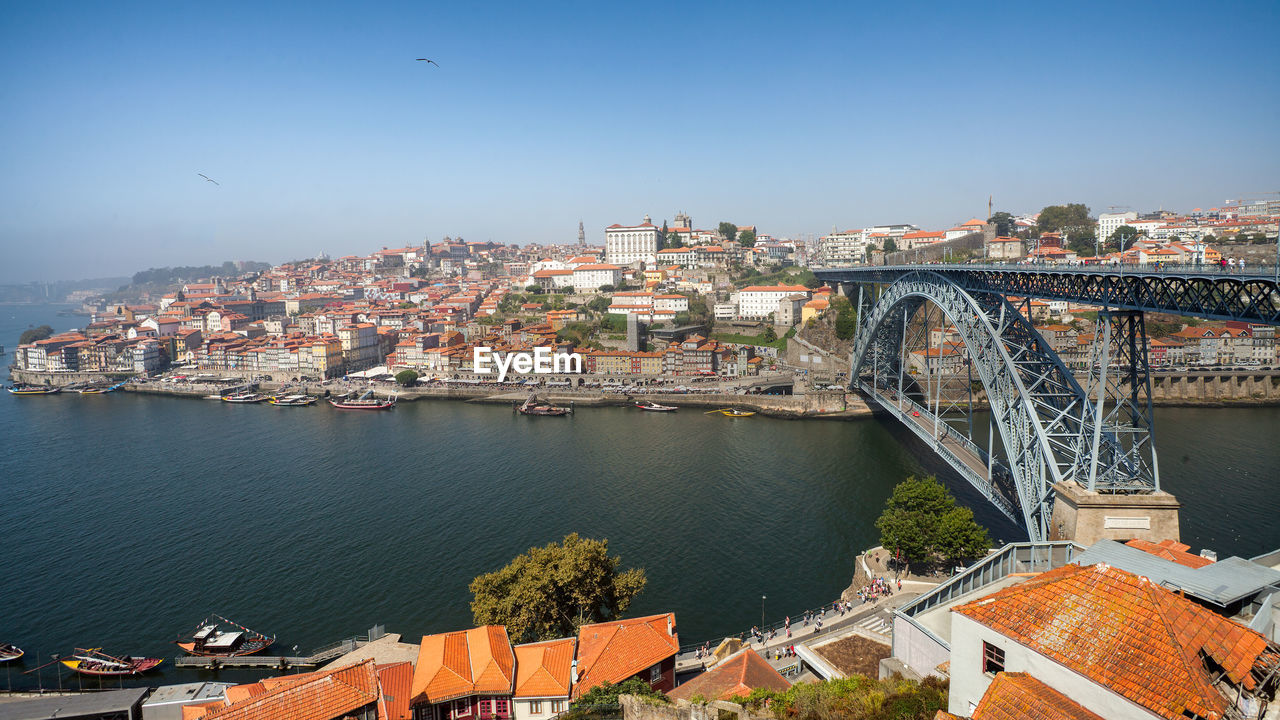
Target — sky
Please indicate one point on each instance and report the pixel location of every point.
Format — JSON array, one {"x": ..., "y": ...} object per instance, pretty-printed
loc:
[{"x": 325, "y": 134}]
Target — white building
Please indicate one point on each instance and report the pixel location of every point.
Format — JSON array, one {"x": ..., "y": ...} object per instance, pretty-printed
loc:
[
  {"x": 725, "y": 311},
  {"x": 1108, "y": 222},
  {"x": 757, "y": 302},
  {"x": 843, "y": 248},
  {"x": 672, "y": 303},
  {"x": 625, "y": 245},
  {"x": 596, "y": 275}
]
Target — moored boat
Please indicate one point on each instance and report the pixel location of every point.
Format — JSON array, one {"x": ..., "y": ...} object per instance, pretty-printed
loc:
[
  {"x": 533, "y": 407},
  {"x": 92, "y": 661},
  {"x": 210, "y": 640},
  {"x": 732, "y": 412},
  {"x": 291, "y": 400},
  {"x": 9, "y": 651},
  {"x": 655, "y": 407},
  {"x": 33, "y": 390},
  {"x": 365, "y": 402},
  {"x": 244, "y": 398},
  {"x": 100, "y": 389}
]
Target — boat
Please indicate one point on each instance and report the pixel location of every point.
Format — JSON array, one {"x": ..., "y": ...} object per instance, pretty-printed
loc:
[
  {"x": 731, "y": 412},
  {"x": 533, "y": 407},
  {"x": 655, "y": 407},
  {"x": 92, "y": 661},
  {"x": 244, "y": 398},
  {"x": 291, "y": 400},
  {"x": 210, "y": 640},
  {"x": 365, "y": 402},
  {"x": 33, "y": 390},
  {"x": 9, "y": 651},
  {"x": 100, "y": 389}
]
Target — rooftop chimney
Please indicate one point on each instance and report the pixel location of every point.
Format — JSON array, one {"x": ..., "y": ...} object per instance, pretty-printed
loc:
[
  {"x": 1209, "y": 555},
  {"x": 573, "y": 672}
]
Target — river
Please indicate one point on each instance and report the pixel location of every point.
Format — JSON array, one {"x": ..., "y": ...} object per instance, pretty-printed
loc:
[{"x": 125, "y": 519}]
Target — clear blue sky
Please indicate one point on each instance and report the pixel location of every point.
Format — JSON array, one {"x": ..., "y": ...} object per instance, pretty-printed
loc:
[{"x": 325, "y": 134}]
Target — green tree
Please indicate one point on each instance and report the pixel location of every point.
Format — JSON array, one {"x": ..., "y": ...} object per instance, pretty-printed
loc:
[
  {"x": 922, "y": 522},
  {"x": 769, "y": 334},
  {"x": 728, "y": 231},
  {"x": 407, "y": 378},
  {"x": 35, "y": 334},
  {"x": 1073, "y": 218},
  {"x": 1123, "y": 237},
  {"x": 747, "y": 238},
  {"x": 533, "y": 288},
  {"x": 551, "y": 591},
  {"x": 890, "y": 245},
  {"x": 1003, "y": 222},
  {"x": 599, "y": 303},
  {"x": 662, "y": 236},
  {"x": 846, "y": 317}
]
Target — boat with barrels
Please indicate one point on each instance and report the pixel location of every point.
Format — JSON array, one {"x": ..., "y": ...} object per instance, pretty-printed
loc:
[
  {"x": 248, "y": 397},
  {"x": 92, "y": 661},
  {"x": 367, "y": 401},
  {"x": 9, "y": 651},
  {"x": 211, "y": 640},
  {"x": 34, "y": 390},
  {"x": 292, "y": 400}
]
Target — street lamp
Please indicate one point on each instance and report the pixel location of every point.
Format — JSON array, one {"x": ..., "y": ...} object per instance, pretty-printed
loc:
[{"x": 762, "y": 597}]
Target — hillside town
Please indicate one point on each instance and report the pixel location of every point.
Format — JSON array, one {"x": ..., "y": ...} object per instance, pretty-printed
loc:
[{"x": 651, "y": 301}]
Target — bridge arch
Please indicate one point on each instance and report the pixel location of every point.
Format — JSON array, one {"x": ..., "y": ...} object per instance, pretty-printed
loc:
[{"x": 1037, "y": 406}]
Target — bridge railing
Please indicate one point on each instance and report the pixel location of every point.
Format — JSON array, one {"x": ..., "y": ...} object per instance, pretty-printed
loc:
[{"x": 1260, "y": 271}]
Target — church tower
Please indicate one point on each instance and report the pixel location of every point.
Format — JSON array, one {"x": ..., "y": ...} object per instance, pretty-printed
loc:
[{"x": 582, "y": 235}]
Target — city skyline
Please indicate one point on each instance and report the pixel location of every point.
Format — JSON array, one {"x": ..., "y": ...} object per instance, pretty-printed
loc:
[{"x": 322, "y": 132}]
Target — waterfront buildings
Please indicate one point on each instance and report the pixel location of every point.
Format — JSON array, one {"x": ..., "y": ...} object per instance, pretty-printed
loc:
[
  {"x": 643, "y": 647},
  {"x": 629, "y": 244},
  {"x": 464, "y": 674}
]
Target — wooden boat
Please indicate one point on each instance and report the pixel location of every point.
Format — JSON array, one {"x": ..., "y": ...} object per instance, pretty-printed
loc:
[
  {"x": 655, "y": 407},
  {"x": 532, "y": 407},
  {"x": 100, "y": 390},
  {"x": 731, "y": 412},
  {"x": 244, "y": 398},
  {"x": 92, "y": 661},
  {"x": 210, "y": 640},
  {"x": 33, "y": 390},
  {"x": 365, "y": 402},
  {"x": 292, "y": 400},
  {"x": 8, "y": 652}
]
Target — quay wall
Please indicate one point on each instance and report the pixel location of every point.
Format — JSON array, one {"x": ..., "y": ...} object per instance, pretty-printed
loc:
[{"x": 62, "y": 379}]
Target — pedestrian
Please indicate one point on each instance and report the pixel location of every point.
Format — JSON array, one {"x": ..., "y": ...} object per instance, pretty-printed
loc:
[{"x": 899, "y": 584}]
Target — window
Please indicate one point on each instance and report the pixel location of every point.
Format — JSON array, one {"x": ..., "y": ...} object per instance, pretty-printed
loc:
[
  {"x": 557, "y": 706},
  {"x": 992, "y": 659},
  {"x": 655, "y": 674},
  {"x": 485, "y": 707},
  {"x": 461, "y": 708},
  {"x": 501, "y": 706},
  {"x": 535, "y": 707}
]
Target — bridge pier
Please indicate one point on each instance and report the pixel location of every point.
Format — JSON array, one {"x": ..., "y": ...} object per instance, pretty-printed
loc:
[{"x": 1086, "y": 516}]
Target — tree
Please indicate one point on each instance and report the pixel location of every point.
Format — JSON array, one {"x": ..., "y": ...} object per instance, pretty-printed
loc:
[
  {"x": 812, "y": 282},
  {"x": 407, "y": 378},
  {"x": 1073, "y": 218},
  {"x": 1123, "y": 237},
  {"x": 533, "y": 288},
  {"x": 747, "y": 238},
  {"x": 36, "y": 334},
  {"x": 607, "y": 288},
  {"x": 922, "y": 523},
  {"x": 890, "y": 245},
  {"x": 1003, "y": 222},
  {"x": 662, "y": 237},
  {"x": 728, "y": 231},
  {"x": 846, "y": 317},
  {"x": 551, "y": 591},
  {"x": 599, "y": 303},
  {"x": 769, "y": 334}
]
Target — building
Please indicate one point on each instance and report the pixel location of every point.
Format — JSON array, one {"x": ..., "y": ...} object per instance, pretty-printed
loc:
[
  {"x": 758, "y": 302},
  {"x": 106, "y": 705},
  {"x": 629, "y": 244},
  {"x": 643, "y": 647},
  {"x": 596, "y": 275},
  {"x": 1117, "y": 643},
  {"x": 353, "y": 691},
  {"x": 464, "y": 674},
  {"x": 1109, "y": 222},
  {"x": 544, "y": 678},
  {"x": 735, "y": 676}
]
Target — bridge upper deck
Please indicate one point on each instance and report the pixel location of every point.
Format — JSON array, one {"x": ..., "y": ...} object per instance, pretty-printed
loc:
[{"x": 1201, "y": 290}]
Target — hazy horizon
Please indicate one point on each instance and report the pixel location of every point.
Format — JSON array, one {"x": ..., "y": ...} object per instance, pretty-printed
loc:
[{"x": 325, "y": 134}]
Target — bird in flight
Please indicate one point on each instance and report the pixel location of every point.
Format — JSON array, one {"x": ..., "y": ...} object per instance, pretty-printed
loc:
[
  {"x": 206, "y": 177},
  {"x": 433, "y": 62}
]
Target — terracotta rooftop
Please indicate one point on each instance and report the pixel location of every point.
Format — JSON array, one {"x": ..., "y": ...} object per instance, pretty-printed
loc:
[
  {"x": 542, "y": 669},
  {"x": 395, "y": 681},
  {"x": 614, "y": 651},
  {"x": 1128, "y": 634},
  {"x": 735, "y": 677},
  {"x": 1018, "y": 696},
  {"x": 311, "y": 696},
  {"x": 1171, "y": 550},
  {"x": 478, "y": 661}
]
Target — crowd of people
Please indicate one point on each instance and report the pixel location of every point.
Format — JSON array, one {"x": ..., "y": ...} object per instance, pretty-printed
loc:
[{"x": 878, "y": 587}]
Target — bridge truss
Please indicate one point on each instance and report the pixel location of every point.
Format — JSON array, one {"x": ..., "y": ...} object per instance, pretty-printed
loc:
[{"x": 1051, "y": 428}]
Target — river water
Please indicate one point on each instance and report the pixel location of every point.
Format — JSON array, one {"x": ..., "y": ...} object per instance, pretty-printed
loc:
[{"x": 125, "y": 519}]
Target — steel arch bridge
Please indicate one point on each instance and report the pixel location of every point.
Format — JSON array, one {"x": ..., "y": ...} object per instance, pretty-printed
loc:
[{"x": 1052, "y": 429}]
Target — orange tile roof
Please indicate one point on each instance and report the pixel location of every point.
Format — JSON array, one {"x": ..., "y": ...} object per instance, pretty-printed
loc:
[
  {"x": 313, "y": 696},
  {"x": 1170, "y": 550},
  {"x": 1128, "y": 634},
  {"x": 1018, "y": 696},
  {"x": 394, "y": 684},
  {"x": 542, "y": 669},
  {"x": 736, "y": 677},
  {"x": 478, "y": 661},
  {"x": 614, "y": 651}
]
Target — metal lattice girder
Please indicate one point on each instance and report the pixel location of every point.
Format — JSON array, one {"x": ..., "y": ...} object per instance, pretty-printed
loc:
[
  {"x": 1037, "y": 406},
  {"x": 1201, "y": 292}
]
